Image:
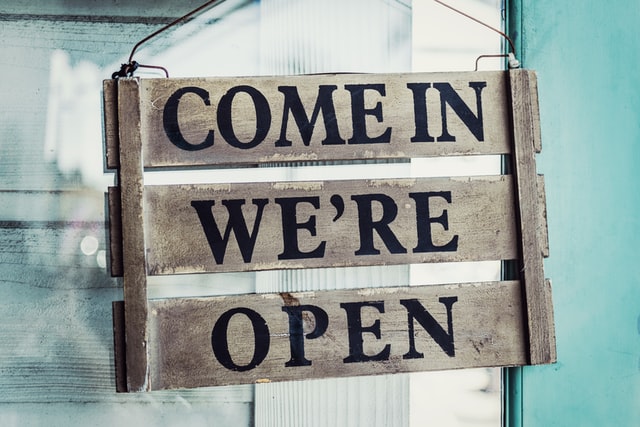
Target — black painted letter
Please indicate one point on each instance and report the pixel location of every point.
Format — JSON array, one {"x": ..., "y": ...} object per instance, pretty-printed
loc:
[
  {"x": 448, "y": 95},
  {"x": 220, "y": 343},
  {"x": 290, "y": 227},
  {"x": 420, "y": 112},
  {"x": 359, "y": 113},
  {"x": 324, "y": 102},
  {"x": 170, "y": 119},
  {"x": 367, "y": 224},
  {"x": 354, "y": 325},
  {"x": 296, "y": 332},
  {"x": 263, "y": 117},
  {"x": 416, "y": 311},
  {"x": 424, "y": 221},
  {"x": 235, "y": 223}
]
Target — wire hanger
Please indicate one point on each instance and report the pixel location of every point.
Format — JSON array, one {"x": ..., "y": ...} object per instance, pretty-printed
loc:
[{"x": 127, "y": 69}]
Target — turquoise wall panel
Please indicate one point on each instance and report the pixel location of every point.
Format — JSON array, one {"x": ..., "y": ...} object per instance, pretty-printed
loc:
[{"x": 586, "y": 56}]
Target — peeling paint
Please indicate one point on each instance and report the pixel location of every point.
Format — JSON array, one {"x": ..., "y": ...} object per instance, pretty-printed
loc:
[
  {"x": 304, "y": 186},
  {"x": 400, "y": 183},
  {"x": 301, "y": 157}
]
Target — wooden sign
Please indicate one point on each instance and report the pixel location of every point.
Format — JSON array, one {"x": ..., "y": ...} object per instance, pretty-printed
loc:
[{"x": 178, "y": 229}]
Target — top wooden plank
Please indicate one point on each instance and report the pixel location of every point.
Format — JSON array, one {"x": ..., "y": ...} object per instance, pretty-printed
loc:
[{"x": 249, "y": 120}]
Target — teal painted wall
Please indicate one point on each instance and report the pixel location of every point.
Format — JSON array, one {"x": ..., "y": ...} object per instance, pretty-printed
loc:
[{"x": 587, "y": 55}]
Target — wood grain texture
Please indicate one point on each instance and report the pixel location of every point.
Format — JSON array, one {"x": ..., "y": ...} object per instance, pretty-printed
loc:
[
  {"x": 537, "y": 298},
  {"x": 110, "y": 113},
  {"x": 543, "y": 228},
  {"x": 115, "y": 231},
  {"x": 480, "y": 214},
  {"x": 133, "y": 252},
  {"x": 119, "y": 346},
  {"x": 389, "y": 107},
  {"x": 486, "y": 320}
]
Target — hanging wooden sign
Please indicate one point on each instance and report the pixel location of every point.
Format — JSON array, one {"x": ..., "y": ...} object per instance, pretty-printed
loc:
[{"x": 178, "y": 229}]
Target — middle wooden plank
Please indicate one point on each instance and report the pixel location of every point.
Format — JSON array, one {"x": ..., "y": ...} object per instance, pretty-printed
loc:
[{"x": 285, "y": 225}]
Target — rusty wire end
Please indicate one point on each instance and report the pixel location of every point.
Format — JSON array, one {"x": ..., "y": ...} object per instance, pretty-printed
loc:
[{"x": 126, "y": 70}]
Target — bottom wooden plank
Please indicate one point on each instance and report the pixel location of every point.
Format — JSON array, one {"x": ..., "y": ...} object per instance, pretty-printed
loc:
[
  {"x": 119, "y": 346},
  {"x": 293, "y": 336}
]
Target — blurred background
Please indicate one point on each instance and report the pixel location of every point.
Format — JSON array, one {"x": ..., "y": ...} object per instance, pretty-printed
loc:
[{"x": 56, "y": 357}]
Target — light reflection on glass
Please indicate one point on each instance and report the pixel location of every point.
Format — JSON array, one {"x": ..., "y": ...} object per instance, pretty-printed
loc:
[{"x": 442, "y": 41}]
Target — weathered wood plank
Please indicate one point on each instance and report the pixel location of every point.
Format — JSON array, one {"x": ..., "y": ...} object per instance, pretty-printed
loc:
[
  {"x": 537, "y": 300},
  {"x": 328, "y": 224},
  {"x": 110, "y": 114},
  {"x": 342, "y": 117},
  {"x": 119, "y": 346},
  {"x": 115, "y": 231},
  {"x": 253, "y": 338},
  {"x": 135, "y": 278}
]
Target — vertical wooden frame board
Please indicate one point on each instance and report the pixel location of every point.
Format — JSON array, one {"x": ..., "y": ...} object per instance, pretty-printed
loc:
[
  {"x": 133, "y": 252},
  {"x": 172, "y": 343},
  {"x": 537, "y": 290}
]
